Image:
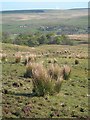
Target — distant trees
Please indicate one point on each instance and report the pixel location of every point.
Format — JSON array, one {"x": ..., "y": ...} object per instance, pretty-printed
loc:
[
  {"x": 65, "y": 40},
  {"x": 42, "y": 39},
  {"x": 58, "y": 40},
  {"x": 37, "y": 39},
  {"x": 32, "y": 41},
  {"x": 6, "y": 38},
  {"x": 20, "y": 39},
  {"x": 61, "y": 40}
]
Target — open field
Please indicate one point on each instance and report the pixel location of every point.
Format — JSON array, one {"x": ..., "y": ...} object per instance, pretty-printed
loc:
[
  {"x": 59, "y": 21},
  {"x": 59, "y": 39},
  {"x": 19, "y": 101},
  {"x": 79, "y": 37}
]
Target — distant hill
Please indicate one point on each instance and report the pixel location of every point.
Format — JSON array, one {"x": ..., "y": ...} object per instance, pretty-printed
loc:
[
  {"x": 70, "y": 21},
  {"x": 39, "y": 11},
  {"x": 22, "y": 11}
]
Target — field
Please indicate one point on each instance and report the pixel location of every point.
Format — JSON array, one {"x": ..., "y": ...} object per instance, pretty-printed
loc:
[
  {"x": 59, "y": 21},
  {"x": 18, "y": 100}
]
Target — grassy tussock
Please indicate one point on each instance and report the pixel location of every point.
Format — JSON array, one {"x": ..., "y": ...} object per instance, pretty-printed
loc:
[
  {"x": 58, "y": 84},
  {"x": 30, "y": 58},
  {"x": 46, "y": 80},
  {"x": 26, "y": 60},
  {"x": 41, "y": 80},
  {"x": 3, "y": 57},
  {"x": 18, "y": 58},
  {"x": 65, "y": 72},
  {"x": 30, "y": 66},
  {"x": 54, "y": 71}
]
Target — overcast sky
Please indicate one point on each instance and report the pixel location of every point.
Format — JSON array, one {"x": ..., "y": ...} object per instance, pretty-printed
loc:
[{"x": 42, "y": 5}]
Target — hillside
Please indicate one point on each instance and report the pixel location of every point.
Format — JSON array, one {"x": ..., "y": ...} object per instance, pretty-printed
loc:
[
  {"x": 58, "y": 21},
  {"x": 44, "y": 64},
  {"x": 18, "y": 99}
]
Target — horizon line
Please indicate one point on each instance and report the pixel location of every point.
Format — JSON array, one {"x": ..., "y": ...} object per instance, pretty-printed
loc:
[{"x": 43, "y": 9}]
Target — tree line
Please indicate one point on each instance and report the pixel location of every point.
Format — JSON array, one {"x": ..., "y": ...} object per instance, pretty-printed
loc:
[{"x": 36, "y": 39}]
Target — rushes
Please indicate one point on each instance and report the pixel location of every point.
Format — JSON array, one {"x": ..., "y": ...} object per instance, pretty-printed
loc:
[
  {"x": 41, "y": 80},
  {"x": 30, "y": 66},
  {"x": 3, "y": 57},
  {"x": 46, "y": 80},
  {"x": 54, "y": 71},
  {"x": 58, "y": 84},
  {"x": 18, "y": 58},
  {"x": 65, "y": 72},
  {"x": 30, "y": 58}
]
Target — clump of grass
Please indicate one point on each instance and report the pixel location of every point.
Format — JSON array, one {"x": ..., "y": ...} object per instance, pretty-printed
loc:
[
  {"x": 58, "y": 84},
  {"x": 26, "y": 61},
  {"x": 54, "y": 71},
  {"x": 41, "y": 81},
  {"x": 18, "y": 58},
  {"x": 30, "y": 58},
  {"x": 46, "y": 81},
  {"x": 65, "y": 72},
  {"x": 30, "y": 66},
  {"x": 3, "y": 57}
]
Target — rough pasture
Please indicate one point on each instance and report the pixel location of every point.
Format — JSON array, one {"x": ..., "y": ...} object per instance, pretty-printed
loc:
[{"x": 18, "y": 99}]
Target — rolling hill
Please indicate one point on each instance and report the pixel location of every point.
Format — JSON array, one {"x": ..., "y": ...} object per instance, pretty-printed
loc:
[{"x": 71, "y": 21}]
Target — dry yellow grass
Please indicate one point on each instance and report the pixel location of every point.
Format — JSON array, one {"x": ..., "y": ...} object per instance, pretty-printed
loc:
[
  {"x": 65, "y": 72},
  {"x": 79, "y": 37},
  {"x": 18, "y": 57},
  {"x": 3, "y": 57},
  {"x": 54, "y": 71},
  {"x": 29, "y": 67}
]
